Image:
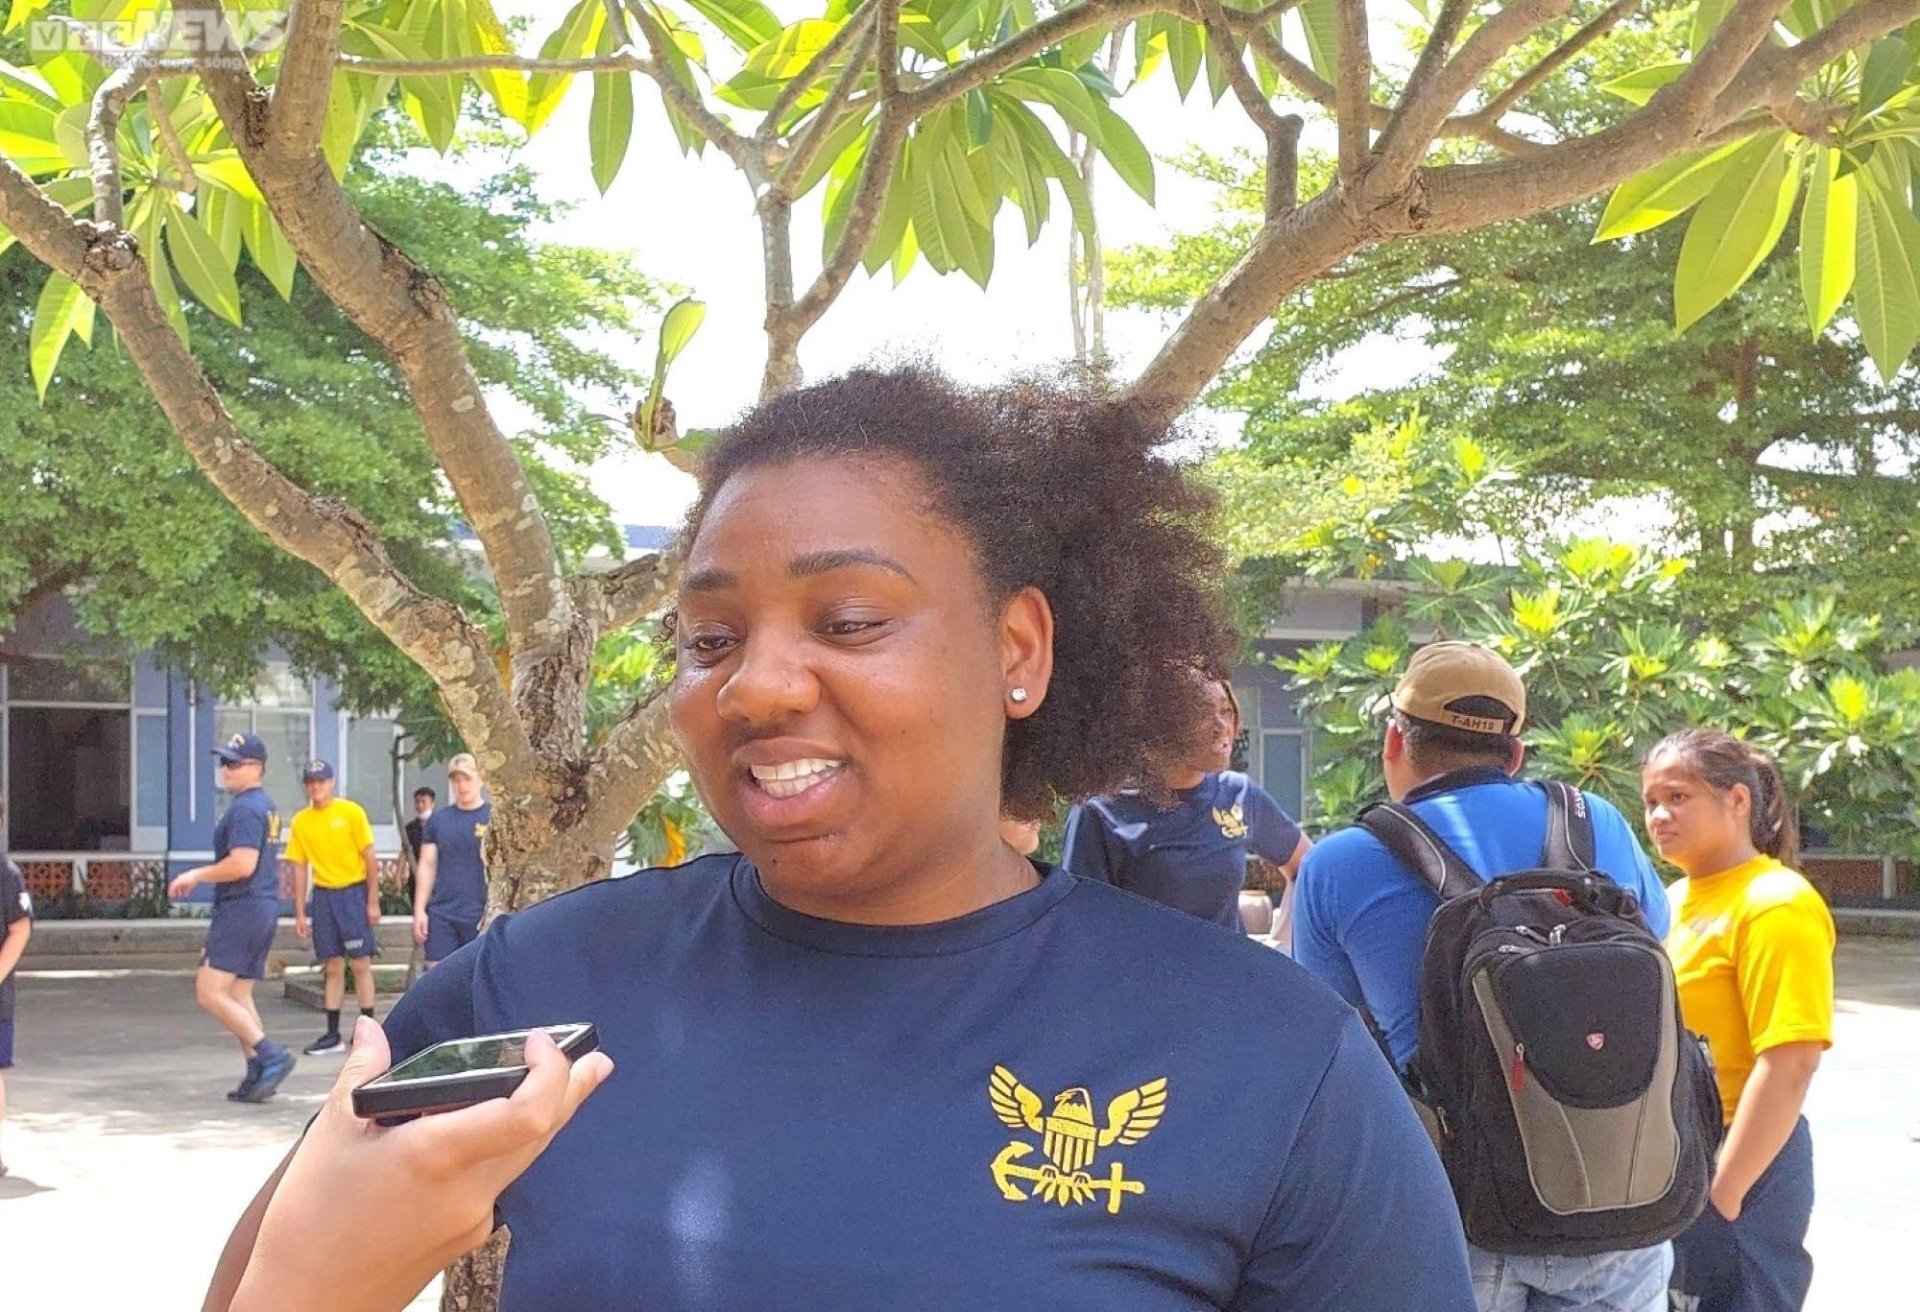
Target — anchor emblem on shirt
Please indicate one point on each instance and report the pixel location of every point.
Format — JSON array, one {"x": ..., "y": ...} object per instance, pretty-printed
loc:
[{"x": 1070, "y": 1140}]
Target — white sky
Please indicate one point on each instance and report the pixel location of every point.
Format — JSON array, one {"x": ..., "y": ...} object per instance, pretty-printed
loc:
[{"x": 689, "y": 221}]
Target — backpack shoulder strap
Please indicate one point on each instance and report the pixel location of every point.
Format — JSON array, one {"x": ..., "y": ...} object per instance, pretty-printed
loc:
[
  {"x": 1422, "y": 851},
  {"x": 1569, "y": 844}
]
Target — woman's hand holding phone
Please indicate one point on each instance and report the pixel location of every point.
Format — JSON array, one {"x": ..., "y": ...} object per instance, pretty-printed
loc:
[{"x": 423, "y": 1191}]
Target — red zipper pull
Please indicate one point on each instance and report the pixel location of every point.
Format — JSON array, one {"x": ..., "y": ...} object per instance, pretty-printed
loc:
[{"x": 1519, "y": 1073}]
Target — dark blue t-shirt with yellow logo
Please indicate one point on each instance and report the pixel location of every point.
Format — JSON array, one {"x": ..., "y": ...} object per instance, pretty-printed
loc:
[
  {"x": 1042, "y": 1104},
  {"x": 1191, "y": 856},
  {"x": 250, "y": 821},
  {"x": 460, "y": 867}
]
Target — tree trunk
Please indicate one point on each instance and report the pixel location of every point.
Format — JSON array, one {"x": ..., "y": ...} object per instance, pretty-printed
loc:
[{"x": 472, "y": 1284}]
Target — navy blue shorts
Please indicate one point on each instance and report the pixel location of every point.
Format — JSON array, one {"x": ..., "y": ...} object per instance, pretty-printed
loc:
[
  {"x": 447, "y": 933},
  {"x": 340, "y": 927},
  {"x": 6, "y": 1043},
  {"x": 1760, "y": 1262},
  {"x": 241, "y": 935}
]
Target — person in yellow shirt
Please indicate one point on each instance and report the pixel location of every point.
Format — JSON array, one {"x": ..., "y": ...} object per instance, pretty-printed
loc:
[
  {"x": 333, "y": 841},
  {"x": 1752, "y": 948}
]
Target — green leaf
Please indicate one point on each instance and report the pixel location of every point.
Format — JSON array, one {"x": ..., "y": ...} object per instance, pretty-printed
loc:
[
  {"x": 851, "y": 134},
  {"x": 28, "y": 83},
  {"x": 790, "y": 51},
  {"x": 677, "y": 328},
  {"x": 747, "y": 23},
  {"x": 197, "y": 257},
  {"x": 1125, "y": 151},
  {"x": 1186, "y": 47},
  {"x": 271, "y": 251},
  {"x": 1828, "y": 228},
  {"x": 1081, "y": 47},
  {"x": 1740, "y": 220},
  {"x": 578, "y": 33},
  {"x": 62, "y": 310},
  {"x": 21, "y": 10},
  {"x": 1886, "y": 294},
  {"x": 1060, "y": 90},
  {"x": 1882, "y": 75},
  {"x": 27, "y": 137},
  {"x": 226, "y": 170},
  {"x": 1663, "y": 192},
  {"x": 1637, "y": 88},
  {"x": 896, "y": 215},
  {"x": 220, "y": 211},
  {"x": 1707, "y": 17},
  {"x": 1321, "y": 21},
  {"x": 609, "y": 126},
  {"x": 433, "y": 99},
  {"x": 487, "y": 35}
]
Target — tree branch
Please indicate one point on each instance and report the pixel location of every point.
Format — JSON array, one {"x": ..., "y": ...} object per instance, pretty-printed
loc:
[
  {"x": 637, "y": 753},
  {"x": 110, "y": 102},
  {"x": 299, "y": 104},
  {"x": 1678, "y": 117},
  {"x": 1022, "y": 46},
  {"x": 106, "y": 263},
  {"x": 404, "y": 308},
  {"x": 623, "y": 60},
  {"x": 1420, "y": 90},
  {"x": 1213, "y": 21},
  {"x": 170, "y": 141},
  {"x": 1556, "y": 59},
  {"x": 827, "y": 117},
  {"x": 690, "y": 105},
  {"x": 628, "y": 593},
  {"x": 876, "y": 174},
  {"x": 1428, "y": 102},
  {"x": 857, "y": 28},
  {"x": 1353, "y": 94}
]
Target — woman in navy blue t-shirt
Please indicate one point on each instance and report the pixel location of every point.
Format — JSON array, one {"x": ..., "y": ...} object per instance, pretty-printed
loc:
[
  {"x": 877, "y": 1059},
  {"x": 1189, "y": 850}
]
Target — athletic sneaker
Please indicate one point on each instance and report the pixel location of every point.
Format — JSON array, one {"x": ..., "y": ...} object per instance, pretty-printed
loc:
[
  {"x": 275, "y": 1066},
  {"x": 240, "y": 1091},
  {"x": 326, "y": 1045}
]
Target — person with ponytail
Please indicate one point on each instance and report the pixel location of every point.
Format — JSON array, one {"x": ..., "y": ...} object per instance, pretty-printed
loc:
[
  {"x": 1752, "y": 947},
  {"x": 1186, "y": 843}
]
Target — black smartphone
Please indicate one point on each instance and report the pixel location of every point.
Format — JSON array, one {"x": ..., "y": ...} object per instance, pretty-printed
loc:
[{"x": 461, "y": 1072}]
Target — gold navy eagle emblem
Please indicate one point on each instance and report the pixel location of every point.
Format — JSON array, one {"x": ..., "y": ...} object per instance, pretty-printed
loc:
[
  {"x": 1232, "y": 821},
  {"x": 1070, "y": 1140}
]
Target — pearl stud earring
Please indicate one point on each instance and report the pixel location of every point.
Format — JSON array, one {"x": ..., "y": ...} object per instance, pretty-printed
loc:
[{"x": 1018, "y": 694}]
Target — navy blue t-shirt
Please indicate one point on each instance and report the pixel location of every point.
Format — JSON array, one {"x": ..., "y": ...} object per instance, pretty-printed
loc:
[
  {"x": 1041, "y": 1104},
  {"x": 460, "y": 870},
  {"x": 1193, "y": 856},
  {"x": 250, "y": 821},
  {"x": 1360, "y": 916}
]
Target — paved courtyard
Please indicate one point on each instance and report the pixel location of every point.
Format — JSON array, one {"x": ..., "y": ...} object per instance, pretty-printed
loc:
[{"x": 129, "y": 1166}]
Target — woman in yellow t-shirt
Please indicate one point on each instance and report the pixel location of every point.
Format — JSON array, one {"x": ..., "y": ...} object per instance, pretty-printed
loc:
[{"x": 1752, "y": 948}]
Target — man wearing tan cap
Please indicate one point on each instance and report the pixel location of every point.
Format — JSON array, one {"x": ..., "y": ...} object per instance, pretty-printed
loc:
[
  {"x": 1451, "y": 751},
  {"x": 450, "y": 886}
]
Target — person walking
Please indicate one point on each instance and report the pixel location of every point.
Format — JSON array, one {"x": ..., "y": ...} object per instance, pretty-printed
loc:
[
  {"x": 450, "y": 887},
  {"x": 1752, "y": 947},
  {"x": 16, "y": 926},
  {"x": 1189, "y": 847},
  {"x": 245, "y": 875},
  {"x": 332, "y": 841},
  {"x": 1450, "y": 753}
]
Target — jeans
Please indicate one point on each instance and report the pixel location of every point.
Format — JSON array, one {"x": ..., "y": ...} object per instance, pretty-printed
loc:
[
  {"x": 1760, "y": 1262},
  {"x": 1633, "y": 1281}
]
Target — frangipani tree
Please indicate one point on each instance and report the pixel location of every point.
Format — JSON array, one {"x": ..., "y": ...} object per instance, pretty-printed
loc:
[{"x": 149, "y": 147}]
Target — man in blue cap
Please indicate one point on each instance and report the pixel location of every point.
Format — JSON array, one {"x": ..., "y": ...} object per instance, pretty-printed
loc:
[{"x": 246, "y": 909}]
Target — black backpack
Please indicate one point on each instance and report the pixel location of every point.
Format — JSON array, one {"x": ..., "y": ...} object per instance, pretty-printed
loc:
[{"x": 1573, "y": 1110}]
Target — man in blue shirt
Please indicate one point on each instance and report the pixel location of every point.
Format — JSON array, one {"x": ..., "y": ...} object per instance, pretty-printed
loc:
[
  {"x": 1451, "y": 752},
  {"x": 245, "y": 875},
  {"x": 450, "y": 886}
]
